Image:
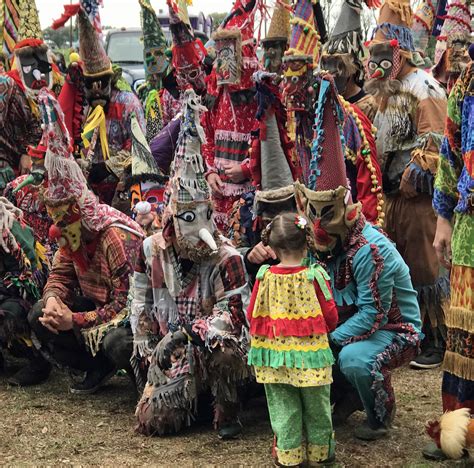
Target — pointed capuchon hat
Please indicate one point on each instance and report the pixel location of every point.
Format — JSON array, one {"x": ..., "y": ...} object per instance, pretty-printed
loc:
[
  {"x": 154, "y": 41},
  {"x": 30, "y": 26},
  {"x": 457, "y": 25},
  {"x": 423, "y": 21},
  {"x": 279, "y": 29},
  {"x": 187, "y": 51},
  {"x": 346, "y": 37},
  {"x": 236, "y": 33},
  {"x": 394, "y": 24}
]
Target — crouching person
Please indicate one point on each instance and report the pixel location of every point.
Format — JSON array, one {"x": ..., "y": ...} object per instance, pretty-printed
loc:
[
  {"x": 85, "y": 297},
  {"x": 190, "y": 290}
]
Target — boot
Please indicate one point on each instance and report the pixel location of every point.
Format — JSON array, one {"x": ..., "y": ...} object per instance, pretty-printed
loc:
[
  {"x": 93, "y": 380},
  {"x": 36, "y": 372},
  {"x": 430, "y": 358},
  {"x": 366, "y": 432}
]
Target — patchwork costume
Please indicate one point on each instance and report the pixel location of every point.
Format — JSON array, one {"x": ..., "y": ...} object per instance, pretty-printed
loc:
[
  {"x": 290, "y": 312},
  {"x": 453, "y": 200},
  {"x": 189, "y": 295},
  {"x": 379, "y": 318}
]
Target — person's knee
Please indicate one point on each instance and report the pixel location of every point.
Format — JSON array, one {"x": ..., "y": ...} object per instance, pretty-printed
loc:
[
  {"x": 34, "y": 315},
  {"x": 354, "y": 365},
  {"x": 118, "y": 346}
]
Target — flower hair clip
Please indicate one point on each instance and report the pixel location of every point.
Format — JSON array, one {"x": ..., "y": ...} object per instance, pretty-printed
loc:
[{"x": 301, "y": 222}]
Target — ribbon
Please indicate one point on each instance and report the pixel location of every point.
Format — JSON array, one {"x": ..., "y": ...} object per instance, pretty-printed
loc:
[{"x": 96, "y": 119}]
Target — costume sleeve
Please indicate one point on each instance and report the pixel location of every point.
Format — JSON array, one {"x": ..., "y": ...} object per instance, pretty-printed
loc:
[
  {"x": 429, "y": 121},
  {"x": 374, "y": 279},
  {"x": 328, "y": 306},
  {"x": 208, "y": 148},
  {"x": 170, "y": 107},
  {"x": 62, "y": 279},
  {"x": 445, "y": 196},
  {"x": 121, "y": 269},
  {"x": 253, "y": 297}
]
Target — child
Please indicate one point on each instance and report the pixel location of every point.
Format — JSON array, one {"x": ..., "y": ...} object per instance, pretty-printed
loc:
[{"x": 290, "y": 313}]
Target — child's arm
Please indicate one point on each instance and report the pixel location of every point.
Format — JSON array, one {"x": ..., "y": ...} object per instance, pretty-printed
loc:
[
  {"x": 252, "y": 300},
  {"x": 328, "y": 306}
]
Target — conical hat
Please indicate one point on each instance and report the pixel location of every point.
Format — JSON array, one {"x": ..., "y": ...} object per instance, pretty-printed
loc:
[
  {"x": 154, "y": 40},
  {"x": 91, "y": 49},
  {"x": 30, "y": 26},
  {"x": 423, "y": 22},
  {"x": 279, "y": 29},
  {"x": 394, "y": 22}
]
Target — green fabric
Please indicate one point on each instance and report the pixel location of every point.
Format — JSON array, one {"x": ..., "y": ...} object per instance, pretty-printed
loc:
[
  {"x": 261, "y": 272},
  {"x": 294, "y": 410},
  {"x": 318, "y": 273},
  {"x": 463, "y": 240},
  {"x": 120, "y": 82},
  {"x": 292, "y": 359},
  {"x": 447, "y": 178},
  {"x": 24, "y": 237},
  {"x": 6, "y": 176}
]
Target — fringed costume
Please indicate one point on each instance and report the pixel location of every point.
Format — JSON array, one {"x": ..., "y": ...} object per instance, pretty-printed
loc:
[
  {"x": 290, "y": 313},
  {"x": 453, "y": 200}
]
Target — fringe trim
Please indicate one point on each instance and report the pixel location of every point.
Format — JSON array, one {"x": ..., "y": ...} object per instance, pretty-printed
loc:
[
  {"x": 227, "y": 135},
  {"x": 461, "y": 318},
  {"x": 402, "y": 9},
  {"x": 460, "y": 366},
  {"x": 292, "y": 359}
]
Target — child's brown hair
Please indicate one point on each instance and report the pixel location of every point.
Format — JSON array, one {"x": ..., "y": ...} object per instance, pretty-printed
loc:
[{"x": 287, "y": 232}]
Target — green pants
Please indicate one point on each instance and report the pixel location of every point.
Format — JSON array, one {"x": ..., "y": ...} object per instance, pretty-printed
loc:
[{"x": 296, "y": 412}]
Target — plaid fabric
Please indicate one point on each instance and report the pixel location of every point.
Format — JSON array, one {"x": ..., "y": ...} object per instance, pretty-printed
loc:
[{"x": 106, "y": 281}]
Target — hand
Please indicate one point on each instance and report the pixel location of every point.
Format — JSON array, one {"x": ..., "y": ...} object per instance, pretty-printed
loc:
[
  {"x": 215, "y": 183},
  {"x": 56, "y": 316},
  {"x": 261, "y": 253},
  {"x": 25, "y": 164},
  {"x": 234, "y": 172},
  {"x": 442, "y": 241}
]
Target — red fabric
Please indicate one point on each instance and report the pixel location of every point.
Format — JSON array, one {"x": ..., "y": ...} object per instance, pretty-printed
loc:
[
  {"x": 328, "y": 307},
  {"x": 265, "y": 326},
  {"x": 364, "y": 182},
  {"x": 189, "y": 54},
  {"x": 70, "y": 100},
  {"x": 28, "y": 43},
  {"x": 15, "y": 76},
  {"x": 69, "y": 12}
]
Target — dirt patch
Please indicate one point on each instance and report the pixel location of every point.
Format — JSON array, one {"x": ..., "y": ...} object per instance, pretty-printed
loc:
[{"x": 47, "y": 425}]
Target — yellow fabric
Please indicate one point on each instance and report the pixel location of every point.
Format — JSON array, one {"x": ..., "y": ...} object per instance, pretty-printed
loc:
[
  {"x": 286, "y": 297},
  {"x": 291, "y": 343},
  {"x": 290, "y": 457},
  {"x": 317, "y": 453},
  {"x": 294, "y": 377},
  {"x": 95, "y": 120}
]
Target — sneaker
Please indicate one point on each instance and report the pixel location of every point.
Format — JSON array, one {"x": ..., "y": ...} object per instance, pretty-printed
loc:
[
  {"x": 366, "y": 432},
  {"x": 428, "y": 359},
  {"x": 230, "y": 430},
  {"x": 93, "y": 380},
  {"x": 32, "y": 374}
]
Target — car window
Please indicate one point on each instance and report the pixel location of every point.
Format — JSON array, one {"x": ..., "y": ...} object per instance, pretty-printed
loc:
[{"x": 125, "y": 47}]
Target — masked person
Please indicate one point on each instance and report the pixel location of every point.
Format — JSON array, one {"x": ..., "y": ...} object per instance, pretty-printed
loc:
[
  {"x": 80, "y": 321},
  {"x": 451, "y": 52},
  {"x": 344, "y": 54},
  {"x": 190, "y": 333},
  {"x": 106, "y": 119},
  {"x": 379, "y": 318},
  {"x": 409, "y": 124},
  {"x": 229, "y": 123},
  {"x": 23, "y": 271},
  {"x": 276, "y": 41}
]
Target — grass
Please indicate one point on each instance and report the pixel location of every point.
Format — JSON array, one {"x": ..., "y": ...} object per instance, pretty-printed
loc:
[{"x": 46, "y": 425}]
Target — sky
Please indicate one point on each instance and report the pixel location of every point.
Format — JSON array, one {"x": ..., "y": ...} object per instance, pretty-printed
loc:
[{"x": 126, "y": 13}]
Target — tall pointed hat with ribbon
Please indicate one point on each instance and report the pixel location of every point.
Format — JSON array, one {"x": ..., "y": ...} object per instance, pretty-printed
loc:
[
  {"x": 154, "y": 41},
  {"x": 279, "y": 29},
  {"x": 423, "y": 21},
  {"x": 236, "y": 47}
]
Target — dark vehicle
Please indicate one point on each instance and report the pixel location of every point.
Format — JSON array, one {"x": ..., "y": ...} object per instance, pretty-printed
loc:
[{"x": 125, "y": 47}]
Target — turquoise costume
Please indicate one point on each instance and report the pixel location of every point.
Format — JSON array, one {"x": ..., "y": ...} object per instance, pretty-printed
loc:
[{"x": 380, "y": 325}]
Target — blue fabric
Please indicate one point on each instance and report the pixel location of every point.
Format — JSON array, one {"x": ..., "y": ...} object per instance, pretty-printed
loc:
[
  {"x": 461, "y": 389},
  {"x": 394, "y": 281},
  {"x": 403, "y": 34},
  {"x": 443, "y": 204}
]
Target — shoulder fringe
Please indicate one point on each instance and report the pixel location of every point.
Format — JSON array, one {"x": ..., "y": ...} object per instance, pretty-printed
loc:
[{"x": 454, "y": 426}]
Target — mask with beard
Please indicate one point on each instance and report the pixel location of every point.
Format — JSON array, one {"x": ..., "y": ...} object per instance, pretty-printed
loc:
[
  {"x": 196, "y": 234},
  {"x": 341, "y": 69},
  {"x": 331, "y": 216},
  {"x": 98, "y": 90},
  {"x": 457, "y": 57},
  {"x": 34, "y": 67},
  {"x": 273, "y": 51},
  {"x": 383, "y": 67},
  {"x": 297, "y": 78}
]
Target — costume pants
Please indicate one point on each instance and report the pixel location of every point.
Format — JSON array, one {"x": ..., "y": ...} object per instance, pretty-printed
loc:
[
  {"x": 367, "y": 365},
  {"x": 68, "y": 349},
  {"x": 296, "y": 412},
  {"x": 14, "y": 328}
]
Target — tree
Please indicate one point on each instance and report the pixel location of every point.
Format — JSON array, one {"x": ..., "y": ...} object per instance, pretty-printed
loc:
[
  {"x": 61, "y": 37},
  {"x": 217, "y": 19}
]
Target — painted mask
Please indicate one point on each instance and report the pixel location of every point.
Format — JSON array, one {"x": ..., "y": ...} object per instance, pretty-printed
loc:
[
  {"x": 35, "y": 68},
  {"x": 98, "y": 90},
  {"x": 273, "y": 55},
  {"x": 297, "y": 75},
  {"x": 336, "y": 66},
  {"x": 156, "y": 61},
  {"x": 330, "y": 217},
  {"x": 67, "y": 225},
  {"x": 384, "y": 61},
  {"x": 228, "y": 59},
  {"x": 149, "y": 192},
  {"x": 191, "y": 77},
  {"x": 196, "y": 233},
  {"x": 457, "y": 57}
]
